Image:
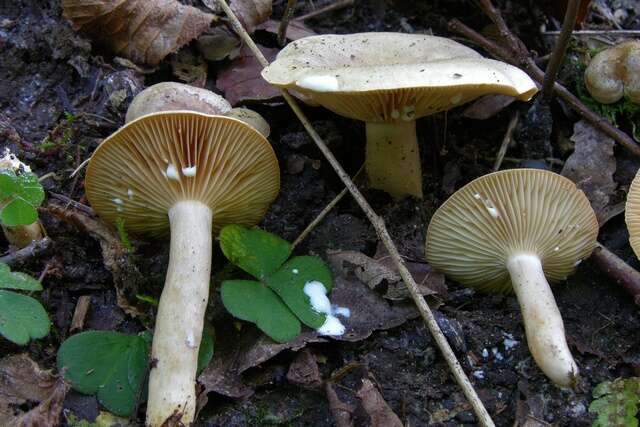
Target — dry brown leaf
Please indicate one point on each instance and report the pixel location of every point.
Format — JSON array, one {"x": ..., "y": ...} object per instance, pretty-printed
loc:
[
  {"x": 379, "y": 411},
  {"x": 592, "y": 165},
  {"x": 242, "y": 81},
  {"x": 295, "y": 30},
  {"x": 189, "y": 68},
  {"x": 487, "y": 106},
  {"x": 304, "y": 371},
  {"x": 251, "y": 12},
  {"x": 144, "y": 31},
  {"x": 218, "y": 43},
  {"x": 23, "y": 382}
]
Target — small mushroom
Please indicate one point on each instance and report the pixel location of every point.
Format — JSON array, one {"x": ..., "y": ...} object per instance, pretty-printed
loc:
[
  {"x": 614, "y": 73},
  {"x": 188, "y": 173},
  {"x": 388, "y": 80},
  {"x": 632, "y": 214},
  {"x": 513, "y": 230}
]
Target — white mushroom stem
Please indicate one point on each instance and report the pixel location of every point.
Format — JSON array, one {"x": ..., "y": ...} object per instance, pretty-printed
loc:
[
  {"x": 393, "y": 158},
  {"x": 180, "y": 318},
  {"x": 542, "y": 320}
]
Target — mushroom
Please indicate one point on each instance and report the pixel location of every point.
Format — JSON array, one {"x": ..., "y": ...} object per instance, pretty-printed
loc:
[
  {"x": 513, "y": 230},
  {"x": 614, "y": 73},
  {"x": 190, "y": 173},
  {"x": 172, "y": 96},
  {"x": 632, "y": 214},
  {"x": 388, "y": 80}
]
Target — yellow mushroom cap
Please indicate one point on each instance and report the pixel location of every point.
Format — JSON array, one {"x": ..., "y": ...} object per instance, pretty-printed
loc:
[
  {"x": 632, "y": 214},
  {"x": 381, "y": 77},
  {"x": 473, "y": 234},
  {"x": 143, "y": 169},
  {"x": 614, "y": 73}
]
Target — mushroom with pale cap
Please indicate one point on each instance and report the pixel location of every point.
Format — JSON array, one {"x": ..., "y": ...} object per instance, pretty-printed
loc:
[
  {"x": 190, "y": 173},
  {"x": 632, "y": 214},
  {"x": 513, "y": 230},
  {"x": 614, "y": 73},
  {"x": 389, "y": 80}
]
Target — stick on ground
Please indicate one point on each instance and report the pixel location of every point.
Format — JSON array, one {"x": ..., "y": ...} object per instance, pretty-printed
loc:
[{"x": 425, "y": 311}]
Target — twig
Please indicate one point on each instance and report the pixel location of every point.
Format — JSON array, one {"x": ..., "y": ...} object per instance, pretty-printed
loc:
[
  {"x": 588, "y": 33},
  {"x": 284, "y": 23},
  {"x": 506, "y": 141},
  {"x": 80, "y": 313},
  {"x": 377, "y": 222},
  {"x": 84, "y": 208},
  {"x": 515, "y": 57},
  {"x": 560, "y": 49},
  {"x": 335, "y": 6},
  {"x": 33, "y": 250},
  {"x": 323, "y": 213},
  {"x": 618, "y": 271}
]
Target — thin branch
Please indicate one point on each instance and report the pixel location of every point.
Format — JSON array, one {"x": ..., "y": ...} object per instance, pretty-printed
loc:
[
  {"x": 377, "y": 222},
  {"x": 589, "y": 33},
  {"x": 35, "y": 249},
  {"x": 506, "y": 141},
  {"x": 284, "y": 23},
  {"x": 335, "y": 6},
  {"x": 560, "y": 49},
  {"x": 618, "y": 271},
  {"x": 525, "y": 61}
]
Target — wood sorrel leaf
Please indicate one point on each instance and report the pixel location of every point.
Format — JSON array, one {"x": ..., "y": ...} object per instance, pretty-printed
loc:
[
  {"x": 256, "y": 303},
  {"x": 22, "y": 318},
  {"x": 256, "y": 251}
]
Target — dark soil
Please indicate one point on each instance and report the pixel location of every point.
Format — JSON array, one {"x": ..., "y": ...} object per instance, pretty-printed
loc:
[{"x": 47, "y": 70}]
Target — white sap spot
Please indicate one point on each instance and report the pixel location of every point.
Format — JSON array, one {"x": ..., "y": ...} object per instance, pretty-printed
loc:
[
  {"x": 130, "y": 194},
  {"x": 317, "y": 294},
  {"x": 478, "y": 374},
  {"x": 477, "y": 196},
  {"x": 319, "y": 83},
  {"x": 189, "y": 171},
  {"x": 117, "y": 201},
  {"x": 488, "y": 204},
  {"x": 331, "y": 326},
  {"x": 341, "y": 311},
  {"x": 577, "y": 263},
  {"x": 10, "y": 161},
  {"x": 456, "y": 98},
  {"x": 493, "y": 212},
  {"x": 485, "y": 353},
  {"x": 395, "y": 114},
  {"x": 295, "y": 271},
  {"x": 556, "y": 249},
  {"x": 172, "y": 172},
  {"x": 191, "y": 340}
]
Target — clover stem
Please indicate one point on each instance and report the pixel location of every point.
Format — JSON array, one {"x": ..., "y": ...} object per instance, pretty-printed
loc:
[
  {"x": 180, "y": 318},
  {"x": 393, "y": 158},
  {"x": 542, "y": 319}
]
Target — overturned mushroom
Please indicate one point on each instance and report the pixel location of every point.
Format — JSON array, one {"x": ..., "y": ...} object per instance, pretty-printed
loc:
[
  {"x": 190, "y": 173},
  {"x": 389, "y": 80},
  {"x": 614, "y": 73},
  {"x": 632, "y": 214},
  {"x": 513, "y": 230}
]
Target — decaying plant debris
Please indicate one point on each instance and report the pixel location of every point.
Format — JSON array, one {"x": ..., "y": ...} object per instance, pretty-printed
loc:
[{"x": 62, "y": 92}]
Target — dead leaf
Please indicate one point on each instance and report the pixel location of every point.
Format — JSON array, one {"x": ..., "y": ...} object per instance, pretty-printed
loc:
[
  {"x": 126, "y": 275},
  {"x": 295, "y": 30},
  {"x": 342, "y": 412},
  {"x": 144, "y": 31},
  {"x": 487, "y": 106},
  {"x": 22, "y": 382},
  {"x": 374, "y": 271},
  {"x": 251, "y": 12},
  {"x": 304, "y": 371},
  {"x": 242, "y": 82},
  {"x": 379, "y": 411},
  {"x": 189, "y": 68},
  {"x": 592, "y": 165},
  {"x": 218, "y": 43}
]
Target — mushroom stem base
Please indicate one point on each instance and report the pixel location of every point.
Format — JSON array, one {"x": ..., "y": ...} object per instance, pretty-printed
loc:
[
  {"x": 393, "y": 158},
  {"x": 542, "y": 320},
  {"x": 21, "y": 235},
  {"x": 180, "y": 318}
]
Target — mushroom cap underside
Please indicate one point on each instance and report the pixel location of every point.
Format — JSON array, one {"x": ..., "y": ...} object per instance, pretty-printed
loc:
[
  {"x": 392, "y": 76},
  {"x": 632, "y": 214},
  {"x": 146, "y": 167},
  {"x": 473, "y": 234}
]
